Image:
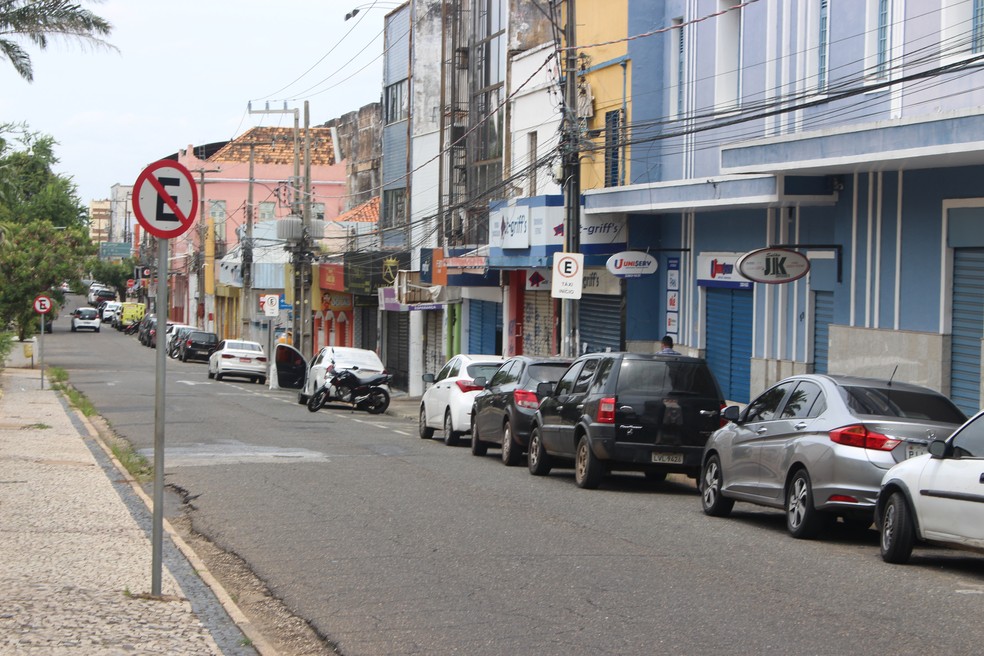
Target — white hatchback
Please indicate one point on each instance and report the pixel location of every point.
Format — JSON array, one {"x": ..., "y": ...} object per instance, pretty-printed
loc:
[
  {"x": 936, "y": 498},
  {"x": 237, "y": 357},
  {"x": 447, "y": 404}
]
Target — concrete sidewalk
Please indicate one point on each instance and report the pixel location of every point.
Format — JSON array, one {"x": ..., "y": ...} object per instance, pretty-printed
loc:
[{"x": 75, "y": 548}]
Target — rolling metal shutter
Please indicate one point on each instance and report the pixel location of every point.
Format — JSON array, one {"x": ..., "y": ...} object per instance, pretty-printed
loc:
[
  {"x": 485, "y": 327},
  {"x": 823, "y": 316},
  {"x": 434, "y": 357},
  {"x": 397, "y": 347},
  {"x": 601, "y": 323},
  {"x": 729, "y": 340},
  {"x": 538, "y": 323},
  {"x": 968, "y": 328}
]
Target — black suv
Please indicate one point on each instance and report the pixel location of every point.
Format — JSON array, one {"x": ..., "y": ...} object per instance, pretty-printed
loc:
[{"x": 626, "y": 411}]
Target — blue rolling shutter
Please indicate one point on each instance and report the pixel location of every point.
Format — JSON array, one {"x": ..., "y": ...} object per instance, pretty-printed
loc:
[
  {"x": 968, "y": 328},
  {"x": 823, "y": 316},
  {"x": 485, "y": 327},
  {"x": 600, "y": 323},
  {"x": 729, "y": 340}
]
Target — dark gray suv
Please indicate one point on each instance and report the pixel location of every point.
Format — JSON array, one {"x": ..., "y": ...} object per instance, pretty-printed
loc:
[{"x": 626, "y": 411}]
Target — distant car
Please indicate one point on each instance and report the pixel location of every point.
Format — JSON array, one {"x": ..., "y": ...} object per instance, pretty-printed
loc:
[
  {"x": 503, "y": 412},
  {"x": 626, "y": 412},
  {"x": 330, "y": 358},
  {"x": 237, "y": 357},
  {"x": 100, "y": 295},
  {"x": 447, "y": 404},
  {"x": 197, "y": 345},
  {"x": 85, "y": 318},
  {"x": 108, "y": 311},
  {"x": 65, "y": 287},
  {"x": 818, "y": 446},
  {"x": 937, "y": 497},
  {"x": 175, "y": 332},
  {"x": 147, "y": 324}
]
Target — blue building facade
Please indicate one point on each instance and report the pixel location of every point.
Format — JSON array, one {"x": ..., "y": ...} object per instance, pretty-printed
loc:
[{"x": 847, "y": 130}]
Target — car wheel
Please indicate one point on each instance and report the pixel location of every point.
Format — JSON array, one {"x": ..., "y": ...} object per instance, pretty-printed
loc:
[
  {"x": 210, "y": 374},
  {"x": 654, "y": 477},
  {"x": 450, "y": 434},
  {"x": 302, "y": 398},
  {"x": 897, "y": 531},
  {"x": 511, "y": 453},
  {"x": 97, "y": 330},
  {"x": 802, "y": 518},
  {"x": 261, "y": 380},
  {"x": 478, "y": 447},
  {"x": 425, "y": 431},
  {"x": 218, "y": 376},
  {"x": 539, "y": 461},
  {"x": 587, "y": 468},
  {"x": 711, "y": 500},
  {"x": 73, "y": 327}
]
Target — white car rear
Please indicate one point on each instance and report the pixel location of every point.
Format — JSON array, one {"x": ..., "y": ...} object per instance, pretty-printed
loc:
[{"x": 237, "y": 357}]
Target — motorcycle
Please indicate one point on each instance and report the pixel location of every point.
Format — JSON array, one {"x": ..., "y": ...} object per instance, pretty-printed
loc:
[
  {"x": 346, "y": 386},
  {"x": 132, "y": 328}
]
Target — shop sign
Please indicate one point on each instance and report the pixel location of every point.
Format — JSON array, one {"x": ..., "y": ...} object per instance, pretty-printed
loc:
[
  {"x": 631, "y": 264},
  {"x": 773, "y": 266}
]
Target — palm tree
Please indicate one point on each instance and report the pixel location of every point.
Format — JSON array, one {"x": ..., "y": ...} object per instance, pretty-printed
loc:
[{"x": 39, "y": 20}]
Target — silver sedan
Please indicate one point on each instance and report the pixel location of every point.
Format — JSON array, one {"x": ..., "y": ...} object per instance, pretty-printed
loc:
[{"x": 818, "y": 446}]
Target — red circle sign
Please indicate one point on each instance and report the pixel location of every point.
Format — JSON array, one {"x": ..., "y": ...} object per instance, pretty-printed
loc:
[
  {"x": 165, "y": 199},
  {"x": 42, "y": 304}
]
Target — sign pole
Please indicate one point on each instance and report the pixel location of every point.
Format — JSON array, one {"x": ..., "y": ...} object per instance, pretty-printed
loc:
[
  {"x": 157, "y": 532},
  {"x": 41, "y": 350}
]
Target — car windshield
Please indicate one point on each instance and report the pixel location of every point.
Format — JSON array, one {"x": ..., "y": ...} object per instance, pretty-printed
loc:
[
  {"x": 890, "y": 402},
  {"x": 661, "y": 377},
  {"x": 547, "y": 373},
  {"x": 486, "y": 369}
]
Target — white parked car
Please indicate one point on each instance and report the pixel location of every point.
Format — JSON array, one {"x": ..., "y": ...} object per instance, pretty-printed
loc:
[
  {"x": 238, "y": 357},
  {"x": 109, "y": 312},
  {"x": 330, "y": 358},
  {"x": 936, "y": 498},
  {"x": 85, "y": 318},
  {"x": 447, "y": 404}
]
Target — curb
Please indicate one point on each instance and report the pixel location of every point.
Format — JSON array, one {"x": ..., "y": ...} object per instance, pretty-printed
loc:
[{"x": 259, "y": 642}]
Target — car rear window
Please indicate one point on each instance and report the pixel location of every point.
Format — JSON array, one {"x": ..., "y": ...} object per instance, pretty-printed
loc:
[
  {"x": 890, "y": 402},
  {"x": 244, "y": 346},
  {"x": 658, "y": 377},
  {"x": 486, "y": 369},
  {"x": 87, "y": 314},
  {"x": 547, "y": 373},
  {"x": 207, "y": 338}
]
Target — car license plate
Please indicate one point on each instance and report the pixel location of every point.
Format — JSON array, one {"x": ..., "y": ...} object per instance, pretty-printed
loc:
[
  {"x": 913, "y": 450},
  {"x": 247, "y": 360},
  {"x": 668, "y": 458}
]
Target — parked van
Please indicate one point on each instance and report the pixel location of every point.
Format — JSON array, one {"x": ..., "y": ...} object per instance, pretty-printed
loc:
[{"x": 130, "y": 313}]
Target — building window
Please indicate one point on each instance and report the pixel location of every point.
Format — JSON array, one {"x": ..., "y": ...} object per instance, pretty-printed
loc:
[
  {"x": 677, "y": 69},
  {"x": 394, "y": 208},
  {"x": 267, "y": 211},
  {"x": 884, "y": 40},
  {"x": 532, "y": 146},
  {"x": 728, "y": 65},
  {"x": 613, "y": 139},
  {"x": 977, "y": 38},
  {"x": 217, "y": 212},
  {"x": 823, "y": 43},
  {"x": 396, "y": 106}
]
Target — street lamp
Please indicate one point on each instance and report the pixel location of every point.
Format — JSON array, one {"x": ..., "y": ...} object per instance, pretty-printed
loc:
[{"x": 385, "y": 5}]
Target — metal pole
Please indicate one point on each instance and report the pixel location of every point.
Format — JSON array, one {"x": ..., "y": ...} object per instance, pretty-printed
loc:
[
  {"x": 157, "y": 532},
  {"x": 41, "y": 351},
  {"x": 246, "y": 306},
  {"x": 572, "y": 180}
]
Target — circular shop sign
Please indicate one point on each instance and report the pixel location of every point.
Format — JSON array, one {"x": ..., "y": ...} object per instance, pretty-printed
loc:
[
  {"x": 631, "y": 264},
  {"x": 773, "y": 266}
]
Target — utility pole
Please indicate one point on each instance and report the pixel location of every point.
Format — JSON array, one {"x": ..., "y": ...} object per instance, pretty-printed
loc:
[
  {"x": 306, "y": 341},
  {"x": 202, "y": 228},
  {"x": 246, "y": 304},
  {"x": 570, "y": 148},
  {"x": 296, "y": 210}
]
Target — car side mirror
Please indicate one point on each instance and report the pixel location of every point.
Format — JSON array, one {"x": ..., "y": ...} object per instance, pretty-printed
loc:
[
  {"x": 481, "y": 381},
  {"x": 940, "y": 449},
  {"x": 427, "y": 378},
  {"x": 545, "y": 389},
  {"x": 731, "y": 413}
]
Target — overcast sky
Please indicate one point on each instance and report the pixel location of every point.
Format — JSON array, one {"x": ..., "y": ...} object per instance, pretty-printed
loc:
[{"x": 184, "y": 74}]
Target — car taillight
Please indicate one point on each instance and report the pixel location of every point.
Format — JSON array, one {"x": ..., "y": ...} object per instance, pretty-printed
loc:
[
  {"x": 226, "y": 356},
  {"x": 858, "y": 435},
  {"x": 525, "y": 399},
  {"x": 262, "y": 358},
  {"x": 606, "y": 411},
  {"x": 467, "y": 386},
  {"x": 188, "y": 343}
]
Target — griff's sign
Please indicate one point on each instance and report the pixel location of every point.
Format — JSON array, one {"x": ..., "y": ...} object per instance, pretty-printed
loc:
[{"x": 773, "y": 266}]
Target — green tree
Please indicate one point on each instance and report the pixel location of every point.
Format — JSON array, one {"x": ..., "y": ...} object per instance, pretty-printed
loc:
[
  {"x": 34, "y": 258},
  {"x": 37, "y": 21},
  {"x": 114, "y": 275}
]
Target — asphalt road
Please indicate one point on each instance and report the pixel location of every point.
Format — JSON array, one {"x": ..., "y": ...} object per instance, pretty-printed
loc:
[{"x": 390, "y": 544}]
